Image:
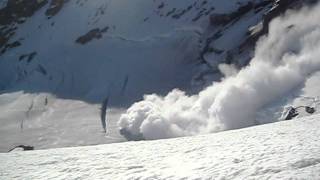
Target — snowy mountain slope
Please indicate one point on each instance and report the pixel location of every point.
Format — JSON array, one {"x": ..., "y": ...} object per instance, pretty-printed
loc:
[
  {"x": 100, "y": 66},
  {"x": 284, "y": 150},
  {"x": 139, "y": 48},
  {"x": 61, "y": 61}
]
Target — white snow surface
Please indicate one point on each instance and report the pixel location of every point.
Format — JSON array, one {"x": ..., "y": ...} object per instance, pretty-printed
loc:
[{"x": 283, "y": 150}]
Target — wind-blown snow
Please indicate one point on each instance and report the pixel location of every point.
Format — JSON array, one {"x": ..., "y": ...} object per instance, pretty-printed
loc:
[
  {"x": 284, "y": 150},
  {"x": 284, "y": 59}
]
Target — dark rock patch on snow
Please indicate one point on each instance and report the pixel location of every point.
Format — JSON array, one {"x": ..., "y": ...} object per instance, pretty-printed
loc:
[
  {"x": 28, "y": 57},
  {"x": 92, "y": 34},
  {"x": 55, "y": 7},
  {"x": 16, "y": 10},
  {"x": 223, "y": 19},
  {"x": 23, "y": 147}
]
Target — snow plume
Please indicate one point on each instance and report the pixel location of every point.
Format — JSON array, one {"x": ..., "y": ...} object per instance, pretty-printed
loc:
[
  {"x": 283, "y": 60},
  {"x": 228, "y": 69}
]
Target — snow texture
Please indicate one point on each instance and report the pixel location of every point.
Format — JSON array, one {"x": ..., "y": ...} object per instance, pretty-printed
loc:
[
  {"x": 286, "y": 58},
  {"x": 284, "y": 150}
]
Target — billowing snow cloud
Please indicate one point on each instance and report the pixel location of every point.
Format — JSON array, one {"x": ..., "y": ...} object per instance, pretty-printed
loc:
[{"x": 282, "y": 61}]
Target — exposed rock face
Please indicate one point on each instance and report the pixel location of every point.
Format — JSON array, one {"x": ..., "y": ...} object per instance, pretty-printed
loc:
[
  {"x": 93, "y": 34},
  {"x": 223, "y": 19},
  {"x": 55, "y": 7},
  {"x": 279, "y": 7},
  {"x": 28, "y": 57},
  {"x": 23, "y": 147},
  {"x": 3, "y": 40},
  {"x": 212, "y": 54},
  {"x": 19, "y": 9},
  {"x": 293, "y": 112},
  {"x": 16, "y": 11},
  {"x": 8, "y": 45},
  {"x": 220, "y": 19}
]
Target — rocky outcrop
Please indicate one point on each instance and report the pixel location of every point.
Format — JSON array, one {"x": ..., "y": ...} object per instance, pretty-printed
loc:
[
  {"x": 223, "y": 19},
  {"x": 92, "y": 34},
  {"x": 278, "y": 8},
  {"x": 16, "y": 10},
  {"x": 28, "y": 57},
  {"x": 293, "y": 112},
  {"x": 23, "y": 148},
  {"x": 212, "y": 54},
  {"x": 55, "y": 7},
  {"x": 8, "y": 46}
]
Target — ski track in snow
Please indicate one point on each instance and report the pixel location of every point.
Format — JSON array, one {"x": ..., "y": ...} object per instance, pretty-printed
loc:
[{"x": 283, "y": 150}]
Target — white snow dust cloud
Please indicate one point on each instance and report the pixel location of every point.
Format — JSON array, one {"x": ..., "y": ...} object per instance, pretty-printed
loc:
[{"x": 283, "y": 60}]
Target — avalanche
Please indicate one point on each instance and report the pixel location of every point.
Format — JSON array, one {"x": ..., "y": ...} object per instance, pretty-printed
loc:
[
  {"x": 284, "y": 59},
  {"x": 284, "y": 150}
]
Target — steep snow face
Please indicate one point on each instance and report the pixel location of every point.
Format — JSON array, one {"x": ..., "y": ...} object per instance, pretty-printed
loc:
[
  {"x": 132, "y": 42},
  {"x": 285, "y": 150},
  {"x": 286, "y": 58}
]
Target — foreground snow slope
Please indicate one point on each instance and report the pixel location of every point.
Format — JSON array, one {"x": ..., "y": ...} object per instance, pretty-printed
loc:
[{"x": 283, "y": 150}]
